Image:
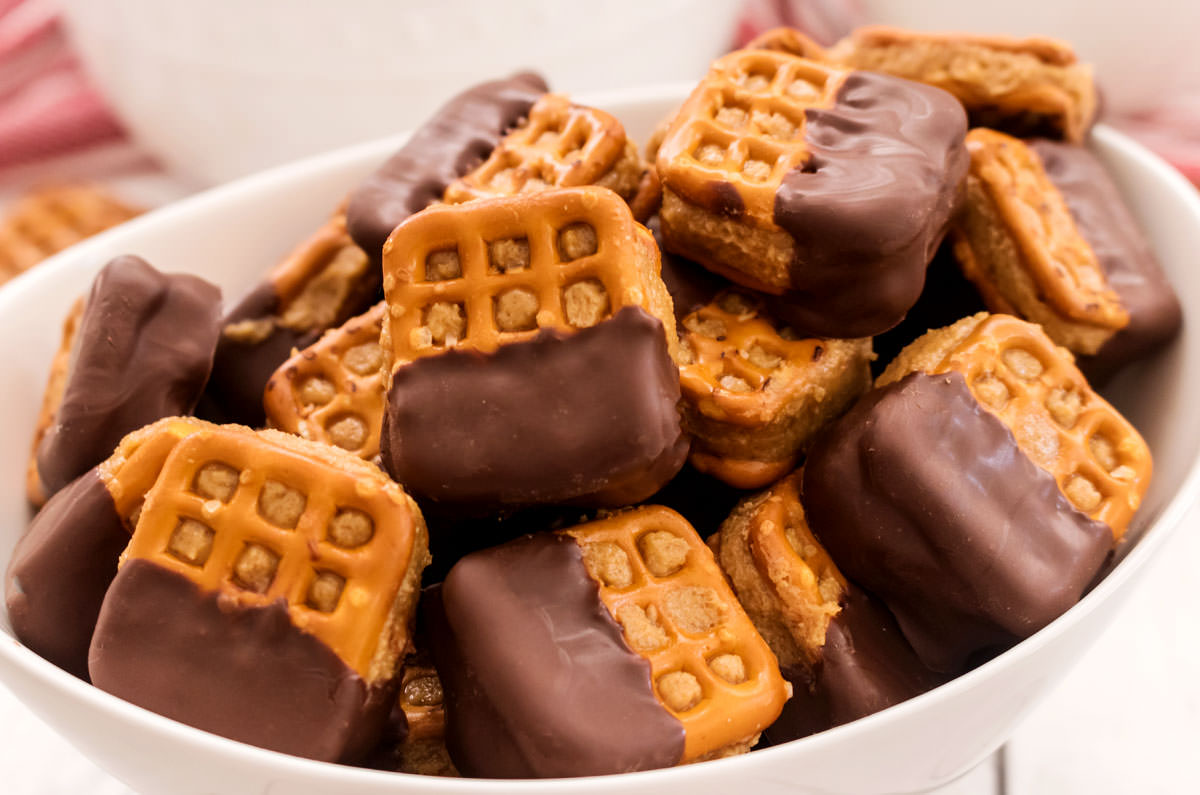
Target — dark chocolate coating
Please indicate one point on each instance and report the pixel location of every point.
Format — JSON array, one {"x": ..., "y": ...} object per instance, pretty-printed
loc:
[
  {"x": 1133, "y": 272},
  {"x": 143, "y": 351},
  {"x": 869, "y": 208},
  {"x": 246, "y": 673},
  {"x": 866, "y": 666},
  {"x": 924, "y": 498},
  {"x": 241, "y": 370},
  {"x": 60, "y": 570},
  {"x": 460, "y": 136},
  {"x": 587, "y": 418},
  {"x": 538, "y": 679}
]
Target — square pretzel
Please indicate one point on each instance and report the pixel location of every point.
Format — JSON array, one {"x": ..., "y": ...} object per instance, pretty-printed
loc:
[
  {"x": 744, "y": 126},
  {"x": 332, "y": 391},
  {"x": 260, "y": 517},
  {"x": 1099, "y": 460},
  {"x": 755, "y": 393},
  {"x": 709, "y": 666},
  {"x": 1032, "y": 86},
  {"x": 491, "y": 272},
  {"x": 49, "y": 220},
  {"x": 560, "y": 145},
  {"x": 1018, "y": 243}
]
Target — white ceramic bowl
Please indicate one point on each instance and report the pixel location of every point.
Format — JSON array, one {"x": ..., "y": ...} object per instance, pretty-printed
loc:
[
  {"x": 234, "y": 233},
  {"x": 221, "y": 88}
]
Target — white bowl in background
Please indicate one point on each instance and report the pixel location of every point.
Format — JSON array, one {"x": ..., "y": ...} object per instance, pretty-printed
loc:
[
  {"x": 232, "y": 234},
  {"x": 221, "y": 88},
  {"x": 1144, "y": 53}
]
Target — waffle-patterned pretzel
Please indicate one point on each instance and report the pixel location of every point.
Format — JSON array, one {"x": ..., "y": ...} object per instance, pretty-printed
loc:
[
  {"x": 48, "y": 221},
  {"x": 744, "y": 126},
  {"x": 1062, "y": 265},
  {"x": 133, "y": 468},
  {"x": 1100, "y": 461},
  {"x": 313, "y": 283},
  {"x": 737, "y": 366},
  {"x": 332, "y": 391},
  {"x": 1028, "y": 84},
  {"x": 710, "y": 667},
  {"x": 487, "y": 273},
  {"x": 260, "y": 517},
  {"x": 754, "y": 394},
  {"x": 787, "y": 40},
  {"x": 561, "y": 145},
  {"x": 56, "y": 385},
  {"x": 805, "y": 580}
]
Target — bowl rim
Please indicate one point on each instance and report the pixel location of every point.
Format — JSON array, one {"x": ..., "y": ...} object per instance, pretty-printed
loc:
[{"x": 15, "y": 653}]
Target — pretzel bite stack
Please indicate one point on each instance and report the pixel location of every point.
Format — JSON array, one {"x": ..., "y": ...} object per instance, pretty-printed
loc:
[{"x": 628, "y": 403}]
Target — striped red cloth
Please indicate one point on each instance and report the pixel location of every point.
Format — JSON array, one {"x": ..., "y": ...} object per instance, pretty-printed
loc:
[{"x": 48, "y": 108}]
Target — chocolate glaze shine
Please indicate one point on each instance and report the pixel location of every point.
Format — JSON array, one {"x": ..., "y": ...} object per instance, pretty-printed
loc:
[
  {"x": 539, "y": 681},
  {"x": 455, "y": 140},
  {"x": 241, "y": 370},
  {"x": 246, "y": 673},
  {"x": 61, "y": 569},
  {"x": 924, "y": 498},
  {"x": 144, "y": 351},
  {"x": 866, "y": 666},
  {"x": 1133, "y": 272},
  {"x": 586, "y": 418},
  {"x": 870, "y": 207}
]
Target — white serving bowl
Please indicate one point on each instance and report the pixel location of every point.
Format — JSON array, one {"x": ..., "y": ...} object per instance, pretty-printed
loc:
[
  {"x": 232, "y": 234},
  {"x": 222, "y": 88}
]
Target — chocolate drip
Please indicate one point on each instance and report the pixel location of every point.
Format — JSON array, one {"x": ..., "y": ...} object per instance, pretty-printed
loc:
[
  {"x": 924, "y": 498},
  {"x": 60, "y": 570},
  {"x": 144, "y": 351},
  {"x": 584, "y": 418},
  {"x": 872, "y": 204},
  {"x": 538, "y": 679},
  {"x": 460, "y": 136},
  {"x": 1133, "y": 272},
  {"x": 246, "y": 673},
  {"x": 866, "y": 666}
]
